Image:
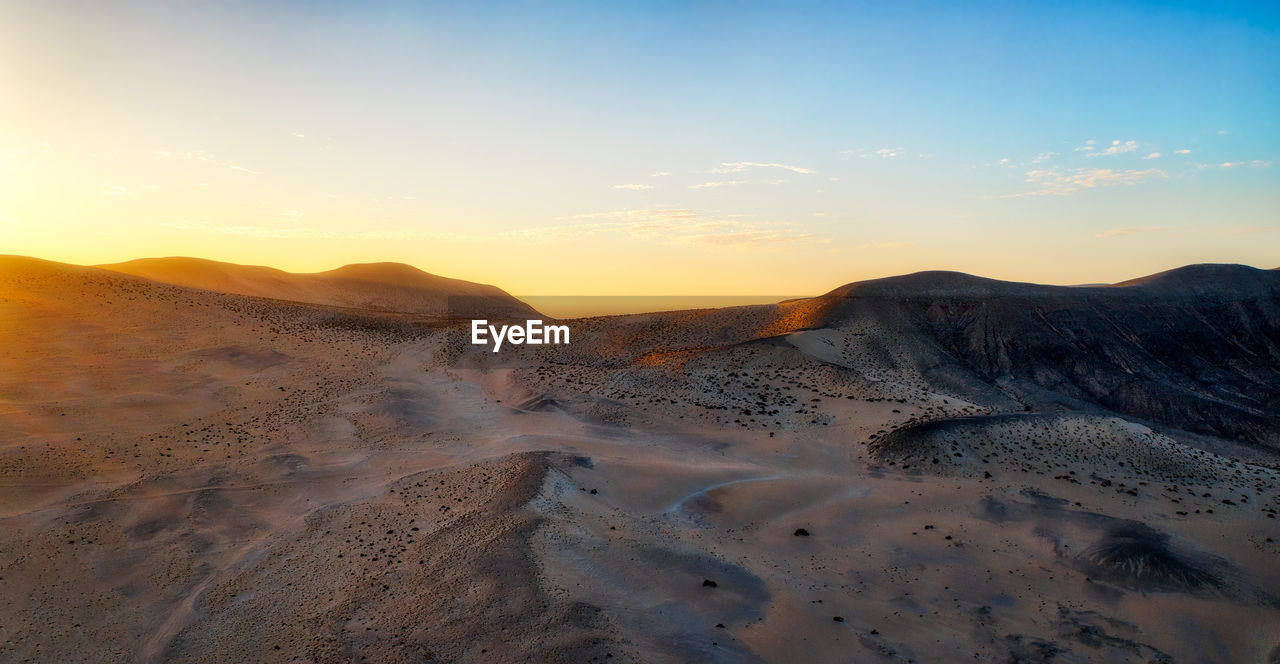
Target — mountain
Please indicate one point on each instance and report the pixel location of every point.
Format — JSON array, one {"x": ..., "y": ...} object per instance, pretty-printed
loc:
[
  {"x": 932, "y": 467},
  {"x": 390, "y": 287},
  {"x": 1196, "y": 348},
  {"x": 1209, "y": 280}
]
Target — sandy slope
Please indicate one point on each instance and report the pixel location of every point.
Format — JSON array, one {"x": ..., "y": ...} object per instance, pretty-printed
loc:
[
  {"x": 378, "y": 286},
  {"x": 194, "y": 476}
]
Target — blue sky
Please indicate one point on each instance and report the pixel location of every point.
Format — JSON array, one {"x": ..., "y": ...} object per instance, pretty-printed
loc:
[{"x": 648, "y": 148}]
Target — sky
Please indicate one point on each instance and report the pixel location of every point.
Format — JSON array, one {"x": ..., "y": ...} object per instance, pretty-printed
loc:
[{"x": 645, "y": 148}]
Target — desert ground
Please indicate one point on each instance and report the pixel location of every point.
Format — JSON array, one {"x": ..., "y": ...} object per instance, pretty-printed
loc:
[{"x": 209, "y": 463}]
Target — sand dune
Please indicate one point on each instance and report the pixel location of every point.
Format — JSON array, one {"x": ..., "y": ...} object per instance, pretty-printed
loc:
[
  {"x": 932, "y": 469},
  {"x": 378, "y": 286}
]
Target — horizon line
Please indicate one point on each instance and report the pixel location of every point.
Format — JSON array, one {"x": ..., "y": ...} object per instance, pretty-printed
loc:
[{"x": 106, "y": 266}]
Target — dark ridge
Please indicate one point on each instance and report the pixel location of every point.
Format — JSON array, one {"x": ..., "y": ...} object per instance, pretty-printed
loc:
[
  {"x": 1208, "y": 279},
  {"x": 1196, "y": 349},
  {"x": 1199, "y": 279},
  {"x": 1135, "y": 555},
  {"x": 541, "y": 403},
  {"x": 940, "y": 283}
]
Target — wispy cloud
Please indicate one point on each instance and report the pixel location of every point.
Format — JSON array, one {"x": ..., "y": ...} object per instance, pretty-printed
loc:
[
  {"x": 672, "y": 226},
  {"x": 1117, "y": 232},
  {"x": 633, "y": 187},
  {"x": 198, "y": 155},
  {"x": 1182, "y": 151},
  {"x": 669, "y": 226},
  {"x": 712, "y": 185},
  {"x": 881, "y": 153},
  {"x": 740, "y": 166},
  {"x": 1253, "y": 229},
  {"x": 201, "y": 155},
  {"x": 294, "y": 231},
  {"x": 115, "y": 190},
  {"x": 1115, "y": 148},
  {"x": 1054, "y": 182},
  {"x": 1256, "y": 163},
  {"x": 659, "y": 174},
  {"x": 1153, "y": 155},
  {"x": 1043, "y": 157}
]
